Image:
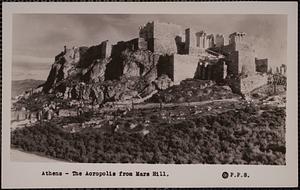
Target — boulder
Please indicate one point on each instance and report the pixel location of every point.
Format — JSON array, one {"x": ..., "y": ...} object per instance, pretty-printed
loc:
[{"x": 163, "y": 82}]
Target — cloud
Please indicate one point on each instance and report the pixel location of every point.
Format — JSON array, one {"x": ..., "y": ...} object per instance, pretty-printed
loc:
[
  {"x": 39, "y": 37},
  {"x": 30, "y": 67},
  {"x": 31, "y": 62},
  {"x": 33, "y": 74}
]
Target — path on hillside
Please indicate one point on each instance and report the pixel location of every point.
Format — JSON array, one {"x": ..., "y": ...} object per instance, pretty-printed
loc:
[
  {"x": 24, "y": 123},
  {"x": 166, "y": 105}
]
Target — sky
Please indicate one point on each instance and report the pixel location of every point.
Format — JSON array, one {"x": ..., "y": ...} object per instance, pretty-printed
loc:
[{"x": 38, "y": 38}]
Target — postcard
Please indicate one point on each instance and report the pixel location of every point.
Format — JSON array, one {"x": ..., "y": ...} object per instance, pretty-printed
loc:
[{"x": 149, "y": 95}]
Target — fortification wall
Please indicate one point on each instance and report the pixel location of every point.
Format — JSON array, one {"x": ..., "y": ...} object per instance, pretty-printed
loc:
[
  {"x": 164, "y": 35},
  {"x": 136, "y": 44},
  {"x": 185, "y": 66},
  {"x": 209, "y": 70},
  {"x": 248, "y": 84},
  {"x": 252, "y": 82},
  {"x": 240, "y": 57},
  {"x": 233, "y": 63},
  {"x": 190, "y": 40},
  {"x": 246, "y": 59}
]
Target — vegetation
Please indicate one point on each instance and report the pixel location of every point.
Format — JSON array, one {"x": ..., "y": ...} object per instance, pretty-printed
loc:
[
  {"x": 193, "y": 90},
  {"x": 36, "y": 101},
  {"x": 243, "y": 136}
]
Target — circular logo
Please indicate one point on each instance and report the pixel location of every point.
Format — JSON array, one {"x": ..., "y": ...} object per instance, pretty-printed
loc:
[{"x": 225, "y": 175}]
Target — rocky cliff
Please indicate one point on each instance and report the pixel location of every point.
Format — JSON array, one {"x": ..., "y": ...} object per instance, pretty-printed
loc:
[{"x": 84, "y": 73}]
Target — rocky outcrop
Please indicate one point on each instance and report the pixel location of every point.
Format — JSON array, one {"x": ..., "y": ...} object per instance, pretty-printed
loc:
[
  {"x": 163, "y": 82},
  {"x": 65, "y": 66},
  {"x": 84, "y": 74},
  {"x": 106, "y": 91},
  {"x": 138, "y": 63},
  {"x": 96, "y": 71}
]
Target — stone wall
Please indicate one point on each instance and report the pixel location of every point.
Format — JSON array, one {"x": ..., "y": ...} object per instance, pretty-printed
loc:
[
  {"x": 185, "y": 66},
  {"x": 162, "y": 38},
  {"x": 239, "y": 55},
  {"x": 252, "y": 82},
  {"x": 191, "y": 41},
  {"x": 247, "y": 84},
  {"x": 211, "y": 70},
  {"x": 177, "y": 67},
  {"x": 233, "y": 63},
  {"x": 137, "y": 44},
  {"x": 246, "y": 59},
  {"x": 165, "y": 35}
]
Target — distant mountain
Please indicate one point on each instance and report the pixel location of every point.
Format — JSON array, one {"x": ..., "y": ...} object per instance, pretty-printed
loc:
[{"x": 19, "y": 86}]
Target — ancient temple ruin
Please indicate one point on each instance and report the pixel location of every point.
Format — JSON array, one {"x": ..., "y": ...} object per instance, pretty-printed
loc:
[{"x": 187, "y": 53}]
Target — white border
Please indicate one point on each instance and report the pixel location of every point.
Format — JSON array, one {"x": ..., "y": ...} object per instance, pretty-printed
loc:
[{"x": 28, "y": 175}]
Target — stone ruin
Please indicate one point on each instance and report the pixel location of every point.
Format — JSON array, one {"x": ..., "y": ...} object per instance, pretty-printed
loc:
[
  {"x": 187, "y": 53},
  {"x": 176, "y": 52}
]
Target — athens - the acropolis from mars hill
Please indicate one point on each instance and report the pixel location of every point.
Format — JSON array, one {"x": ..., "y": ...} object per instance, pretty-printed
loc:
[{"x": 186, "y": 53}]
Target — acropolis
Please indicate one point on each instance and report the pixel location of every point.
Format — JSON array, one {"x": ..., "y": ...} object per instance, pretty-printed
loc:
[{"x": 187, "y": 53}]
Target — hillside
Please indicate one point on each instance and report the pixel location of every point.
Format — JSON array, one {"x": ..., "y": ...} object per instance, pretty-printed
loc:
[
  {"x": 19, "y": 86},
  {"x": 193, "y": 90}
]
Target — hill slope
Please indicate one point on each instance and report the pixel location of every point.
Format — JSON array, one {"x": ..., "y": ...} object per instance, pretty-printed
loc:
[{"x": 19, "y": 86}]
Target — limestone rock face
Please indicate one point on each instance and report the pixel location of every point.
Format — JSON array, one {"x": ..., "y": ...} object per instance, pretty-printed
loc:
[
  {"x": 65, "y": 66},
  {"x": 96, "y": 71},
  {"x": 138, "y": 63},
  {"x": 97, "y": 93},
  {"x": 131, "y": 69},
  {"x": 84, "y": 74},
  {"x": 124, "y": 89}
]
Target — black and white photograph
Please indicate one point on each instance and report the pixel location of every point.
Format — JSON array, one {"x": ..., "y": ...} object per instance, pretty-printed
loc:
[
  {"x": 152, "y": 89},
  {"x": 149, "y": 88}
]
